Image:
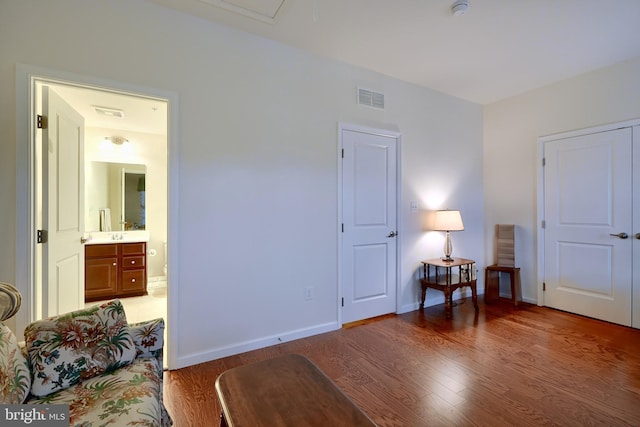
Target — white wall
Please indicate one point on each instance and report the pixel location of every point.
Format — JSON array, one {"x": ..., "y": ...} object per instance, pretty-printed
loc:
[
  {"x": 257, "y": 144},
  {"x": 512, "y": 127}
]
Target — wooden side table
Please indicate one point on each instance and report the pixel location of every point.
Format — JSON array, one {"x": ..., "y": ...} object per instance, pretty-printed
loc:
[{"x": 439, "y": 274}]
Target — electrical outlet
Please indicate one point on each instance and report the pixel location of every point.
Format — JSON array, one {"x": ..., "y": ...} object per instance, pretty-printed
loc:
[{"x": 308, "y": 293}]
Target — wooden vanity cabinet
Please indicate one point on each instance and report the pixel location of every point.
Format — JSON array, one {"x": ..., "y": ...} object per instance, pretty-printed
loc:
[{"x": 115, "y": 270}]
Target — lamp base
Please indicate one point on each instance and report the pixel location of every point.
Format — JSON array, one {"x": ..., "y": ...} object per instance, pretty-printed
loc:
[{"x": 448, "y": 248}]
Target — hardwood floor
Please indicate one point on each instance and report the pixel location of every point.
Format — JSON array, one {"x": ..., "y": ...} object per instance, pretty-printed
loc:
[{"x": 505, "y": 366}]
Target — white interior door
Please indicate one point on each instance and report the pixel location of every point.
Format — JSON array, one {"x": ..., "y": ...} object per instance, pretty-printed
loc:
[
  {"x": 588, "y": 196},
  {"x": 369, "y": 240},
  {"x": 62, "y": 206}
]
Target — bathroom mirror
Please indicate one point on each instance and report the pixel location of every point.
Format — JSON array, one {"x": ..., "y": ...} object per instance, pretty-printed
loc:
[{"x": 115, "y": 196}]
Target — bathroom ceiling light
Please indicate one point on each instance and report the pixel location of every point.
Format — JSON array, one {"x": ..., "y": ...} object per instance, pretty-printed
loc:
[
  {"x": 460, "y": 7},
  {"x": 117, "y": 140}
]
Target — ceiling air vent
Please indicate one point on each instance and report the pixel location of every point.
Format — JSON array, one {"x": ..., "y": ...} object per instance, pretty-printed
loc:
[
  {"x": 109, "y": 112},
  {"x": 370, "y": 98}
]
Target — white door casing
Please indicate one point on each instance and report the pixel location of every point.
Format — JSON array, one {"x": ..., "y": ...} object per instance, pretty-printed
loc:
[
  {"x": 62, "y": 206},
  {"x": 369, "y": 217},
  {"x": 587, "y": 198},
  {"x": 635, "y": 315},
  {"x": 28, "y": 80}
]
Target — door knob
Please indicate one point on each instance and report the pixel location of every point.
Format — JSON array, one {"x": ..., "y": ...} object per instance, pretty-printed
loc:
[
  {"x": 620, "y": 235},
  {"x": 392, "y": 234},
  {"x": 638, "y": 236}
]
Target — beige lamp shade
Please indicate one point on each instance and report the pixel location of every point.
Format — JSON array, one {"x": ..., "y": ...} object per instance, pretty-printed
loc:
[{"x": 446, "y": 220}]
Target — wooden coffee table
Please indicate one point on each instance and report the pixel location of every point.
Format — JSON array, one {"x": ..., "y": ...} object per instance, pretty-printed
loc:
[{"x": 284, "y": 391}]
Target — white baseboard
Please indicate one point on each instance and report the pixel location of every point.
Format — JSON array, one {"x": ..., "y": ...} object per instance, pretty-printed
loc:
[{"x": 230, "y": 350}]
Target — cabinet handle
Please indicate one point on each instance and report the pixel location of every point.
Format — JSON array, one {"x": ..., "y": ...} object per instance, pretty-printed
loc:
[
  {"x": 133, "y": 262},
  {"x": 114, "y": 264},
  {"x": 133, "y": 280}
]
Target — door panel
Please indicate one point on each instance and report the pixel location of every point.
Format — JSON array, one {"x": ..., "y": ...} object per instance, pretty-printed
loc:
[
  {"x": 588, "y": 198},
  {"x": 369, "y": 217},
  {"x": 370, "y": 180},
  {"x": 594, "y": 278},
  {"x": 63, "y": 206},
  {"x": 370, "y": 275}
]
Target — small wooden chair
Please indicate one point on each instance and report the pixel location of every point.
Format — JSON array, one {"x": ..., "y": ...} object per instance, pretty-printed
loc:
[{"x": 505, "y": 234}]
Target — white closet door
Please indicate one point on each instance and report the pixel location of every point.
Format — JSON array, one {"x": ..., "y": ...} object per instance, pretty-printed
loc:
[{"x": 588, "y": 200}]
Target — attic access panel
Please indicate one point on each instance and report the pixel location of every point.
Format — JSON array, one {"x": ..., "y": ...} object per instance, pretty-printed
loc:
[{"x": 262, "y": 10}]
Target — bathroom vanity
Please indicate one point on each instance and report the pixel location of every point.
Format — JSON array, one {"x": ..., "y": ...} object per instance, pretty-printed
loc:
[{"x": 115, "y": 270}]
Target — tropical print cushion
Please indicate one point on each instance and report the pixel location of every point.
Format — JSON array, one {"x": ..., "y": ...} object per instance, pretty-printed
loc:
[
  {"x": 66, "y": 349},
  {"x": 127, "y": 397},
  {"x": 148, "y": 336},
  {"x": 15, "y": 378}
]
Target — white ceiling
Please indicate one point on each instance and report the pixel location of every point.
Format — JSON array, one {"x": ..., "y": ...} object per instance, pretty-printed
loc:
[
  {"x": 140, "y": 114},
  {"x": 498, "y": 49}
]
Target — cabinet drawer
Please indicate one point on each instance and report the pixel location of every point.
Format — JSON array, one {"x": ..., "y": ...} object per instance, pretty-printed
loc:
[
  {"x": 129, "y": 262},
  {"x": 105, "y": 250},
  {"x": 133, "y": 281},
  {"x": 134, "y": 248}
]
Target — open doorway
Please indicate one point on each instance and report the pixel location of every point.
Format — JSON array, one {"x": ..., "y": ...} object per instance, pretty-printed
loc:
[{"x": 122, "y": 134}]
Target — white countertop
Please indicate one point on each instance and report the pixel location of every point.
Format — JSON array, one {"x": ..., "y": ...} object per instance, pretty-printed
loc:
[{"x": 102, "y": 237}]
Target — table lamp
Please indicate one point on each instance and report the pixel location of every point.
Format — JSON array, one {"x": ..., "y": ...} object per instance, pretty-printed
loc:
[{"x": 447, "y": 220}]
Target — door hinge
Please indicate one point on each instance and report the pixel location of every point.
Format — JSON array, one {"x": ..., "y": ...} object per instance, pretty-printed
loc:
[
  {"x": 544, "y": 162},
  {"x": 343, "y": 227},
  {"x": 544, "y": 286},
  {"x": 41, "y": 122},
  {"x": 544, "y": 224},
  {"x": 342, "y": 153},
  {"x": 343, "y": 301},
  {"x": 43, "y": 236}
]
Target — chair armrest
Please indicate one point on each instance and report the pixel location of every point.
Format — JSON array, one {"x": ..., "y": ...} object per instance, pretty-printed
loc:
[{"x": 148, "y": 337}]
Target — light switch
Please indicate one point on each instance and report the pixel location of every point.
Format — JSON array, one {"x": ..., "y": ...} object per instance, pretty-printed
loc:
[{"x": 414, "y": 206}]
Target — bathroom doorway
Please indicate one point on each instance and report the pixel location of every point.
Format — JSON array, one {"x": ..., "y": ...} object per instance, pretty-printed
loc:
[{"x": 120, "y": 127}]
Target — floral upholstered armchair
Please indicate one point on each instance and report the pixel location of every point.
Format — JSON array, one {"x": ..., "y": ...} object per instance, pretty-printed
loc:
[{"x": 107, "y": 371}]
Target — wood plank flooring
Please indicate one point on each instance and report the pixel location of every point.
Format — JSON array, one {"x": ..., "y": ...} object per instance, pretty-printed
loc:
[{"x": 505, "y": 366}]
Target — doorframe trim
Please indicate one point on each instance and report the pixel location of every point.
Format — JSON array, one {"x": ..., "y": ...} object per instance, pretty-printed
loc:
[
  {"x": 541, "y": 187},
  {"x": 26, "y": 76},
  {"x": 381, "y": 132}
]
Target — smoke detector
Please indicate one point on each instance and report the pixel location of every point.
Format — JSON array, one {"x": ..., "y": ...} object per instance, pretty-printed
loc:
[{"x": 460, "y": 7}]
